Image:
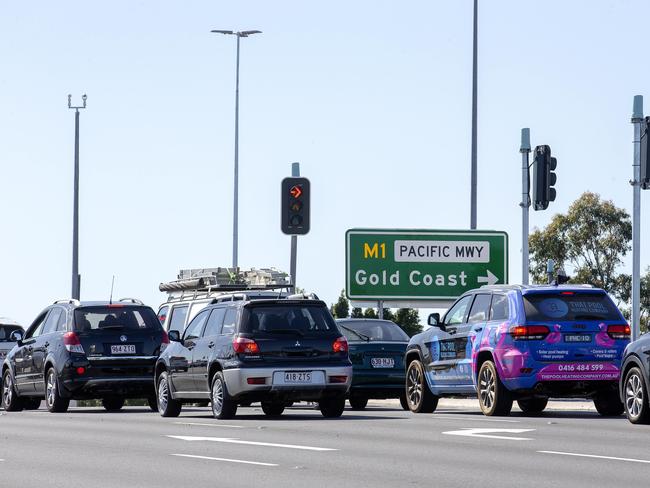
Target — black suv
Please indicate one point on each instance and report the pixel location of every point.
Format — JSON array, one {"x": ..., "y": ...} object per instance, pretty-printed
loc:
[
  {"x": 271, "y": 351},
  {"x": 81, "y": 351}
]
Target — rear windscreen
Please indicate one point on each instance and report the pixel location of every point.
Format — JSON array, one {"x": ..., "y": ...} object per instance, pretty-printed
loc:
[
  {"x": 115, "y": 318},
  {"x": 296, "y": 320},
  {"x": 373, "y": 330},
  {"x": 565, "y": 306},
  {"x": 5, "y": 332}
]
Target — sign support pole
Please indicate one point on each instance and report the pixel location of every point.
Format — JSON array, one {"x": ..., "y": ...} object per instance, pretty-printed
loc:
[
  {"x": 637, "y": 120},
  {"x": 380, "y": 311},
  {"x": 525, "y": 202},
  {"x": 295, "y": 172}
]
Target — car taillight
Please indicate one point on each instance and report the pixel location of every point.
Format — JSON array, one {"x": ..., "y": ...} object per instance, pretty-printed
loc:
[
  {"x": 340, "y": 345},
  {"x": 621, "y": 331},
  {"x": 243, "y": 345},
  {"x": 528, "y": 332},
  {"x": 164, "y": 342},
  {"x": 72, "y": 344}
]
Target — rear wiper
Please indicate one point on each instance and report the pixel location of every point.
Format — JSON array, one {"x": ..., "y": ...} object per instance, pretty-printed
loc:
[
  {"x": 114, "y": 326},
  {"x": 359, "y": 334},
  {"x": 286, "y": 331}
]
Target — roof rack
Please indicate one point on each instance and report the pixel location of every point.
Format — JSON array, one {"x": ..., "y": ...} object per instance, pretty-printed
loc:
[
  {"x": 542, "y": 285},
  {"x": 131, "y": 300},
  {"x": 73, "y": 301}
]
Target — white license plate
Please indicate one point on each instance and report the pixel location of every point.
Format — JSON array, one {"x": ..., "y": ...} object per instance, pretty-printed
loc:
[
  {"x": 297, "y": 377},
  {"x": 123, "y": 349},
  {"x": 382, "y": 362}
]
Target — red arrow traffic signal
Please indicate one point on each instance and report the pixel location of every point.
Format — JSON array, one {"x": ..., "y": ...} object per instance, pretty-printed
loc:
[{"x": 295, "y": 191}]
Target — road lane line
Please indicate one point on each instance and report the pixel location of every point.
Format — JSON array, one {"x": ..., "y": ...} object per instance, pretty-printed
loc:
[
  {"x": 248, "y": 443},
  {"x": 211, "y": 425},
  {"x": 490, "y": 433},
  {"x": 575, "y": 454},
  {"x": 240, "y": 461},
  {"x": 472, "y": 418}
]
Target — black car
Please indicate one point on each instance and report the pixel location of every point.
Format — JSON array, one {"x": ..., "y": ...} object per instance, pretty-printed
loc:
[
  {"x": 270, "y": 351},
  {"x": 635, "y": 380},
  {"x": 84, "y": 350}
]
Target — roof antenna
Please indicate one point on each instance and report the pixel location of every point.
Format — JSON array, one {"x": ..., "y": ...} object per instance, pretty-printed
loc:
[{"x": 110, "y": 300}]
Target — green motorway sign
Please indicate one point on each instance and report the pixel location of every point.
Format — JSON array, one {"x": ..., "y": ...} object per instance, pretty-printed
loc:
[{"x": 401, "y": 264}]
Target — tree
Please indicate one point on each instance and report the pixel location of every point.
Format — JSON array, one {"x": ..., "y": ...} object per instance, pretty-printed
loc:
[
  {"x": 370, "y": 313},
  {"x": 388, "y": 314},
  {"x": 357, "y": 313},
  {"x": 341, "y": 309},
  {"x": 591, "y": 240},
  {"x": 409, "y": 320}
]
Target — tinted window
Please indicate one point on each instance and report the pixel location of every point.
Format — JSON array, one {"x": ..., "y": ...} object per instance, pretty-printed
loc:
[
  {"x": 177, "y": 321},
  {"x": 229, "y": 321},
  {"x": 372, "y": 330},
  {"x": 213, "y": 327},
  {"x": 480, "y": 309},
  {"x": 301, "y": 320},
  {"x": 88, "y": 319},
  {"x": 162, "y": 314},
  {"x": 195, "y": 327},
  {"x": 6, "y": 330},
  {"x": 458, "y": 312},
  {"x": 36, "y": 328},
  {"x": 51, "y": 321},
  {"x": 61, "y": 325},
  {"x": 499, "y": 308},
  {"x": 565, "y": 306}
]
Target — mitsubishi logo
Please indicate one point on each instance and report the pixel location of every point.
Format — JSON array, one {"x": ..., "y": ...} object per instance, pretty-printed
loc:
[
  {"x": 123, "y": 338},
  {"x": 297, "y": 344}
]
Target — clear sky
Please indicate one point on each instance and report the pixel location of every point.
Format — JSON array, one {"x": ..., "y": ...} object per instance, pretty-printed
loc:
[{"x": 371, "y": 97}]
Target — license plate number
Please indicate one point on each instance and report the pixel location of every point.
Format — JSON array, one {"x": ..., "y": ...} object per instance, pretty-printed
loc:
[
  {"x": 123, "y": 349},
  {"x": 577, "y": 338},
  {"x": 382, "y": 362},
  {"x": 297, "y": 377}
]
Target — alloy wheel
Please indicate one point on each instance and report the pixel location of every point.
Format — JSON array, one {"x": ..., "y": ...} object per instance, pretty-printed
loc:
[
  {"x": 414, "y": 386},
  {"x": 217, "y": 397},
  {"x": 486, "y": 388},
  {"x": 163, "y": 394},
  {"x": 50, "y": 389},
  {"x": 7, "y": 390},
  {"x": 634, "y": 395}
]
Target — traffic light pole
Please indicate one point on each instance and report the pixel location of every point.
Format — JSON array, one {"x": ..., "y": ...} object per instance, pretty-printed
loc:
[
  {"x": 76, "y": 277},
  {"x": 637, "y": 121},
  {"x": 295, "y": 172},
  {"x": 525, "y": 202}
]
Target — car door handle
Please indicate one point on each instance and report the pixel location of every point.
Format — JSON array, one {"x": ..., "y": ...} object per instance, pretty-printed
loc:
[
  {"x": 47, "y": 344},
  {"x": 478, "y": 329},
  {"x": 451, "y": 330},
  {"x": 211, "y": 344}
]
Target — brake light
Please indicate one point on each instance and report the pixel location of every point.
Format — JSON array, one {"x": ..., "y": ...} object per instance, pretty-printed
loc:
[
  {"x": 81, "y": 370},
  {"x": 72, "y": 344},
  {"x": 621, "y": 331},
  {"x": 256, "y": 381},
  {"x": 243, "y": 345},
  {"x": 568, "y": 293},
  {"x": 340, "y": 345},
  {"x": 115, "y": 305},
  {"x": 529, "y": 332},
  {"x": 338, "y": 379},
  {"x": 164, "y": 342}
]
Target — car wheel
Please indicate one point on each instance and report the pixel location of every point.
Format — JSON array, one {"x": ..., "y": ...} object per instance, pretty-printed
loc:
[
  {"x": 223, "y": 407},
  {"x": 54, "y": 402},
  {"x": 532, "y": 405},
  {"x": 31, "y": 403},
  {"x": 167, "y": 406},
  {"x": 637, "y": 409},
  {"x": 608, "y": 403},
  {"x": 493, "y": 397},
  {"x": 113, "y": 404},
  {"x": 403, "y": 401},
  {"x": 152, "y": 401},
  {"x": 332, "y": 407},
  {"x": 418, "y": 396},
  {"x": 358, "y": 402},
  {"x": 272, "y": 409},
  {"x": 10, "y": 399}
]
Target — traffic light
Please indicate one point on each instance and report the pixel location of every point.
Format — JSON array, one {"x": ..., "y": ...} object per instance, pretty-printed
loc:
[
  {"x": 295, "y": 206},
  {"x": 645, "y": 156},
  {"x": 544, "y": 178}
]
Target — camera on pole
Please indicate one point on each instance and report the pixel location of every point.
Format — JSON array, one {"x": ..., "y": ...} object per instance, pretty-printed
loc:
[
  {"x": 645, "y": 155},
  {"x": 295, "y": 206},
  {"x": 544, "y": 178}
]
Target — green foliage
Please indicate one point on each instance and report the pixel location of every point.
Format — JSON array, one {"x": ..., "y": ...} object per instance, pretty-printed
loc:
[
  {"x": 389, "y": 315},
  {"x": 356, "y": 313},
  {"x": 370, "y": 313},
  {"x": 341, "y": 309},
  {"x": 409, "y": 320}
]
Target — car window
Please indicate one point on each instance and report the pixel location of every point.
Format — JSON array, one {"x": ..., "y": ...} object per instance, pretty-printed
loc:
[
  {"x": 51, "y": 321},
  {"x": 499, "y": 308},
  {"x": 213, "y": 326},
  {"x": 480, "y": 309},
  {"x": 6, "y": 330},
  {"x": 114, "y": 317},
  {"x": 162, "y": 314},
  {"x": 63, "y": 321},
  {"x": 36, "y": 327},
  {"x": 177, "y": 320},
  {"x": 309, "y": 320},
  {"x": 229, "y": 321},
  {"x": 372, "y": 330},
  {"x": 195, "y": 327},
  {"x": 458, "y": 312}
]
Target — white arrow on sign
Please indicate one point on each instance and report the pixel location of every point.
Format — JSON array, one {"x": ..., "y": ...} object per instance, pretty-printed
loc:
[
  {"x": 490, "y": 279},
  {"x": 489, "y": 433}
]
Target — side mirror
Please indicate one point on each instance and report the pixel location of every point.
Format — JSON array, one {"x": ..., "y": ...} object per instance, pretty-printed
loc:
[
  {"x": 17, "y": 337},
  {"x": 174, "y": 335},
  {"x": 434, "y": 319}
]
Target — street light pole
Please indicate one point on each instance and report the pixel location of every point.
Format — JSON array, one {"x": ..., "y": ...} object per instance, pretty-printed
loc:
[
  {"x": 474, "y": 178},
  {"x": 235, "y": 219},
  {"x": 637, "y": 121},
  {"x": 76, "y": 277}
]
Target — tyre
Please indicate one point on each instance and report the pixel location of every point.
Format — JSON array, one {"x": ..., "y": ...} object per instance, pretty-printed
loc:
[
  {"x": 152, "y": 401},
  {"x": 223, "y": 407},
  {"x": 532, "y": 405},
  {"x": 167, "y": 406},
  {"x": 31, "y": 403},
  {"x": 113, "y": 404},
  {"x": 272, "y": 409},
  {"x": 332, "y": 407},
  {"x": 358, "y": 402},
  {"x": 403, "y": 401},
  {"x": 608, "y": 403},
  {"x": 54, "y": 402},
  {"x": 10, "y": 399},
  {"x": 635, "y": 393},
  {"x": 245, "y": 404},
  {"x": 418, "y": 396},
  {"x": 493, "y": 397}
]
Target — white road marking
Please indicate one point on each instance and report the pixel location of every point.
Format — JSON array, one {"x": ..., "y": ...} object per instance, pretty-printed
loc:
[
  {"x": 211, "y": 425},
  {"x": 472, "y": 418},
  {"x": 249, "y": 443},
  {"x": 240, "y": 461},
  {"x": 489, "y": 433},
  {"x": 631, "y": 460}
]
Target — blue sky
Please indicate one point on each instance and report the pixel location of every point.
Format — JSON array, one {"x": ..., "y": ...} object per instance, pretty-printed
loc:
[{"x": 371, "y": 97}]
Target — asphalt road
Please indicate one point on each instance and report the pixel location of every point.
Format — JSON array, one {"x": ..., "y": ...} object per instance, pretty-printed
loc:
[{"x": 569, "y": 445}]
